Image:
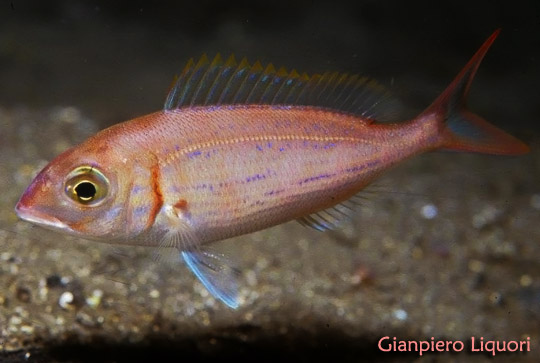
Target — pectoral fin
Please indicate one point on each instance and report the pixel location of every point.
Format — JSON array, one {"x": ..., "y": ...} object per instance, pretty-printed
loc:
[
  {"x": 215, "y": 273},
  {"x": 213, "y": 269}
]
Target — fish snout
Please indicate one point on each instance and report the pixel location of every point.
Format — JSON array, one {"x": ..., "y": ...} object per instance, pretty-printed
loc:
[
  {"x": 24, "y": 205},
  {"x": 26, "y": 210}
]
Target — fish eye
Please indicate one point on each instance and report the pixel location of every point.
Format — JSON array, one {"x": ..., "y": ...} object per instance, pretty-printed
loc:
[{"x": 86, "y": 185}]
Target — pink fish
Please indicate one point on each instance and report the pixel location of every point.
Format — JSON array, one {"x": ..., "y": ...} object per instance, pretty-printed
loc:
[{"x": 239, "y": 148}]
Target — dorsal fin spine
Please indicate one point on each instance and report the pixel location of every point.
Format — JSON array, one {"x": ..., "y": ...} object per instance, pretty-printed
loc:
[
  {"x": 301, "y": 87},
  {"x": 207, "y": 75},
  {"x": 193, "y": 79},
  {"x": 172, "y": 97},
  {"x": 228, "y": 90},
  {"x": 359, "y": 99},
  {"x": 347, "y": 91},
  {"x": 222, "y": 80},
  {"x": 209, "y": 98},
  {"x": 296, "y": 82},
  {"x": 305, "y": 89},
  {"x": 286, "y": 80},
  {"x": 251, "y": 78},
  {"x": 253, "y": 96},
  {"x": 321, "y": 85},
  {"x": 274, "y": 84},
  {"x": 370, "y": 103},
  {"x": 340, "y": 84},
  {"x": 336, "y": 82}
]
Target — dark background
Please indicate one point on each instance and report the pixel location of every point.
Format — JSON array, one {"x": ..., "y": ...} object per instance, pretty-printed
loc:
[{"x": 116, "y": 60}]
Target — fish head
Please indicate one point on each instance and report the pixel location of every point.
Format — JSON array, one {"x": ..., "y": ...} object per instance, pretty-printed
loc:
[{"x": 81, "y": 192}]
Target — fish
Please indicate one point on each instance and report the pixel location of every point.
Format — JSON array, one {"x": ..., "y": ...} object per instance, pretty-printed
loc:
[{"x": 238, "y": 148}]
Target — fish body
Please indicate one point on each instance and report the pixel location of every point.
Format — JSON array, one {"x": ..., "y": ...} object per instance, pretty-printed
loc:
[
  {"x": 295, "y": 162},
  {"x": 238, "y": 149}
]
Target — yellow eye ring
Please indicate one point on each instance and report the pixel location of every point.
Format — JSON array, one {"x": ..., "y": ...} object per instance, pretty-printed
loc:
[{"x": 87, "y": 185}]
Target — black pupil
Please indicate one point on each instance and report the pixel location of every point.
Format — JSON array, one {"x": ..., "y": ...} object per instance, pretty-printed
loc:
[{"x": 85, "y": 190}]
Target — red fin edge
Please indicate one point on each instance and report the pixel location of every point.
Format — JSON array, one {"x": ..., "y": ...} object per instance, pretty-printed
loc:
[{"x": 464, "y": 130}]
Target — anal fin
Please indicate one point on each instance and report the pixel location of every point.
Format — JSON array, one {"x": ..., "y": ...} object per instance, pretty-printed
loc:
[
  {"x": 329, "y": 218},
  {"x": 333, "y": 217}
]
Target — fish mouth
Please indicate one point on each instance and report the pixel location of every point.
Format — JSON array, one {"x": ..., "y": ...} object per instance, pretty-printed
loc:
[{"x": 41, "y": 219}]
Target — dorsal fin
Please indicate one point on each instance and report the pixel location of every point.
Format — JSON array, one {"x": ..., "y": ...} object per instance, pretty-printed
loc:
[{"x": 219, "y": 82}]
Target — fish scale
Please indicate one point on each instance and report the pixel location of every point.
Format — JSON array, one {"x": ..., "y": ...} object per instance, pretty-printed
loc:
[{"x": 299, "y": 169}]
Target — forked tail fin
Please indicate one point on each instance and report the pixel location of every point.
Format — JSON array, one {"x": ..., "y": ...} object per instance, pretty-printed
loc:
[{"x": 464, "y": 130}]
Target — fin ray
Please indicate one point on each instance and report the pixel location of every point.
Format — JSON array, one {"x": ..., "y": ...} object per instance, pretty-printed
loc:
[
  {"x": 222, "y": 79},
  {"x": 334, "y": 216},
  {"x": 330, "y": 218}
]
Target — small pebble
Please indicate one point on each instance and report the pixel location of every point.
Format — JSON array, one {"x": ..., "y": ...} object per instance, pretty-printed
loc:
[
  {"x": 476, "y": 266},
  {"x": 65, "y": 300},
  {"x": 13, "y": 269},
  {"x": 251, "y": 278},
  {"x": 21, "y": 311},
  {"x": 43, "y": 290},
  {"x": 429, "y": 211},
  {"x": 85, "y": 320},
  {"x": 15, "y": 320},
  {"x": 23, "y": 294},
  {"x": 488, "y": 215},
  {"x": 154, "y": 294},
  {"x": 262, "y": 263},
  {"x": 525, "y": 280},
  {"x": 27, "y": 329},
  {"x": 59, "y": 321},
  {"x": 400, "y": 314},
  {"x": 54, "y": 281},
  {"x": 362, "y": 274},
  {"x": 95, "y": 299},
  {"x": 496, "y": 298}
]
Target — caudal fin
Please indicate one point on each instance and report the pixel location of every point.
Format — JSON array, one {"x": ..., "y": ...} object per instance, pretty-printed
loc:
[{"x": 464, "y": 130}]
